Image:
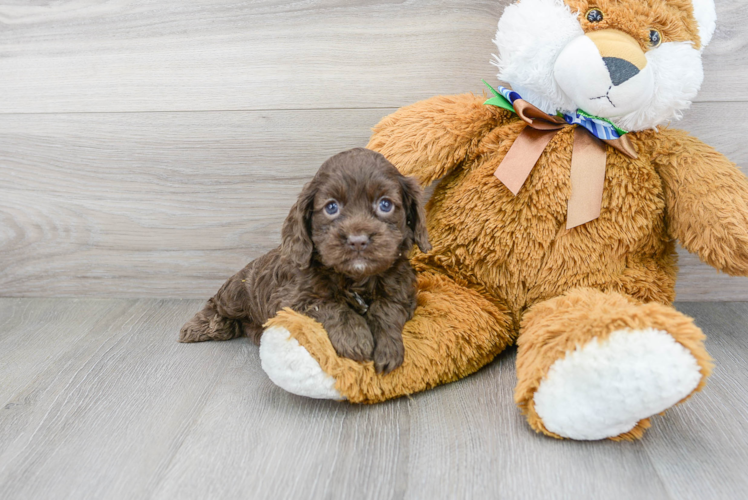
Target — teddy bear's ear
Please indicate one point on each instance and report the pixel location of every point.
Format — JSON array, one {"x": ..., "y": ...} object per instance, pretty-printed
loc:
[{"x": 706, "y": 15}]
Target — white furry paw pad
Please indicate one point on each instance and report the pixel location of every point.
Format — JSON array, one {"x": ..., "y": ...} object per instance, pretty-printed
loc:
[
  {"x": 603, "y": 389},
  {"x": 292, "y": 368}
]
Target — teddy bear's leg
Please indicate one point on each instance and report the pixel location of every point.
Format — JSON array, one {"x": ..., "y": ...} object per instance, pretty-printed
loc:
[
  {"x": 454, "y": 332},
  {"x": 596, "y": 365}
]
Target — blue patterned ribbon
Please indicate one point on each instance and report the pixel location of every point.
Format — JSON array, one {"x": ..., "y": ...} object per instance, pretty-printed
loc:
[
  {"x": 509, "y": 94},
  {"x": 602, "y": 128},
  {"x": 599, "y": 127}
]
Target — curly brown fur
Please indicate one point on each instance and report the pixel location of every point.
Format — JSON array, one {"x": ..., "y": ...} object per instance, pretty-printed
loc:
[{"x": 343, "y": 261}]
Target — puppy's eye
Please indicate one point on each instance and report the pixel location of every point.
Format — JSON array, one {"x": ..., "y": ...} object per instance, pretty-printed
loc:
[
  {"x": 385, "y": 205},
  {"x": 332, "y": 208},
  {"x": 594, "y": 15},
  {"x": 655, "y": 38}
]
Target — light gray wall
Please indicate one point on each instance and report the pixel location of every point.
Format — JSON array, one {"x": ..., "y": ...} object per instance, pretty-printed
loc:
[{"x": 153, "y": 148}]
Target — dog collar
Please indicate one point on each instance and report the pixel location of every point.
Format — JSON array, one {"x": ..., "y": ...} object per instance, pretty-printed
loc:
[
  {"x": 357, "y": 302},
  {"x": 361, "y": 302}
]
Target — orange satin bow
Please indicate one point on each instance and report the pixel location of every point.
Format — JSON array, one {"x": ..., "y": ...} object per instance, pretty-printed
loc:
[{"x": 587, "y": 163}]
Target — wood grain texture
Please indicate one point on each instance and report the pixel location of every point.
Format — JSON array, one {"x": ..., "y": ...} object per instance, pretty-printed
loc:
[
  {"x": 700, "y": 450},
  {"x": 468, "y": 440},
  {"x": 123, "y": 411},
  {"x": 722, "y": 126},
  {"x": 155, "y": 204},
  {"x": 27, "y": 329},
  {"x": 136, "y": 55},
  {"x": 171, "y": 204},
  {"x": 105, "y": 418},
  {"x": 254, "y": 440}
]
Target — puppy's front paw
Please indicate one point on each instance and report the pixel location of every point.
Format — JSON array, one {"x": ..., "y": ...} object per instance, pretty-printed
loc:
[
  {"x": 356, "y": 343},
  {"x": 388, "y": 355}
]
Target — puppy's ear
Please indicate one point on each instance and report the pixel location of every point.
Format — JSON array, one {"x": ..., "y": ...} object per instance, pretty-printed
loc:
[
  {"x": 296, "y": 235},
  {"x": 413, "y": 202}
]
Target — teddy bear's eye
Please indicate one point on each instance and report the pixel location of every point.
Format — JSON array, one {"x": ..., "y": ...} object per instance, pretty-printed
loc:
[
  {"x": 594, "y": 15},
  {"x": 655, "y": 38}
]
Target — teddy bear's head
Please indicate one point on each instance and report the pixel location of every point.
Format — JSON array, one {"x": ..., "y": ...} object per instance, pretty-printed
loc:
[{"x": 635, "y": 62}]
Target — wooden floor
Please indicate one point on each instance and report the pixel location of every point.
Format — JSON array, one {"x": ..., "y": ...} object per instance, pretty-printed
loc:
[{"x": 98, "y": 400}]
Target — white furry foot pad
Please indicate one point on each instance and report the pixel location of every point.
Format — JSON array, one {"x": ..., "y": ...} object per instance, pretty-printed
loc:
[
  {"x": 292, "y": 368},
  {"x": 603, "y": 389}
]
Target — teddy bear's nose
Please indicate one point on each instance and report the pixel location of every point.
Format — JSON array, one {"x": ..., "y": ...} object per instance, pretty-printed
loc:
[
  {"x": 620, "y": 70},
  {"x": 621, "y": 53}
]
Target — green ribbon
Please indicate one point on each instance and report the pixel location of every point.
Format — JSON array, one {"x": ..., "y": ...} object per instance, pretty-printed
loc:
[
  {"x": 502, "y": 102},
  {"x": 498, "y": 99}
]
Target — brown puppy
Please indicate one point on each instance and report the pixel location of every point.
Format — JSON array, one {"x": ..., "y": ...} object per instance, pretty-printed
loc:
[{"x": 343, "y": 261}]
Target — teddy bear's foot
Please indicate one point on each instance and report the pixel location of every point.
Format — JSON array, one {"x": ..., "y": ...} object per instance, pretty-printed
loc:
[
  {"x": 454, "y": 332},
  {"x": 595, "y": 365},
  {"x": 292, "y": 368},
  {"x": 604, "y": 389}
]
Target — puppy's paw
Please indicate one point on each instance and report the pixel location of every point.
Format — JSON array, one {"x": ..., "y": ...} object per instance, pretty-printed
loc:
[
  {"x": 388, "y": 355},
  {"x": 357, "y": 343}
]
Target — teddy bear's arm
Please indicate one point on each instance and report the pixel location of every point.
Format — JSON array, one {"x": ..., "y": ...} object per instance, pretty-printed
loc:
[
  {"x": 430, "y": 138},
  {"x": 707, "y": 202}
]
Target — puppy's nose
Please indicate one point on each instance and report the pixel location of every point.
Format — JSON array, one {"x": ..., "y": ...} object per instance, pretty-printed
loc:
[{"x": 358, "y": 242}]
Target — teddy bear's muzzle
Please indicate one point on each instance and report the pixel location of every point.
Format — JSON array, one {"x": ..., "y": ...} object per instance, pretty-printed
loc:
[
  {"x": 605, "y": 73},
  {"x": 621, "y": 54}
]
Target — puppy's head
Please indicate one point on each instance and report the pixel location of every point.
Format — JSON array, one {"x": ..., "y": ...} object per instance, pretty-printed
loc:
[{"x": 358, "y": 213}]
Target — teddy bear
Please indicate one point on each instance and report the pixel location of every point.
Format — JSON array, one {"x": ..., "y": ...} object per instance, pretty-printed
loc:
[{"x": 554, "y": 222}]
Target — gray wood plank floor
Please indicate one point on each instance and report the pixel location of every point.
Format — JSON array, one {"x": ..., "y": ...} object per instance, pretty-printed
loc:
[{"x": 98, "y": 400}]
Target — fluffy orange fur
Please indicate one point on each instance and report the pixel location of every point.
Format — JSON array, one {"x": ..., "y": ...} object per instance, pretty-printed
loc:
[
  {"x": 504, "y": 268},
  {"x": 590, "y": 314},
  {"x": 673, "y": 18},
  {"x": 455, "y": 332},
  {"x": 517, "y": 248},
  {"x": 618, "y": 270}
]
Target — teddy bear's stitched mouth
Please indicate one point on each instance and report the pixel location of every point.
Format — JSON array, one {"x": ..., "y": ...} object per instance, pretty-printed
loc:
[{"x": 606, "y": 96}]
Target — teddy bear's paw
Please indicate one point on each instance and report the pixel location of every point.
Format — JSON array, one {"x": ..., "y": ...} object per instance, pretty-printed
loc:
[
  {"x": 292, "y": 368},
  {"x": 603, "y": 389}
]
